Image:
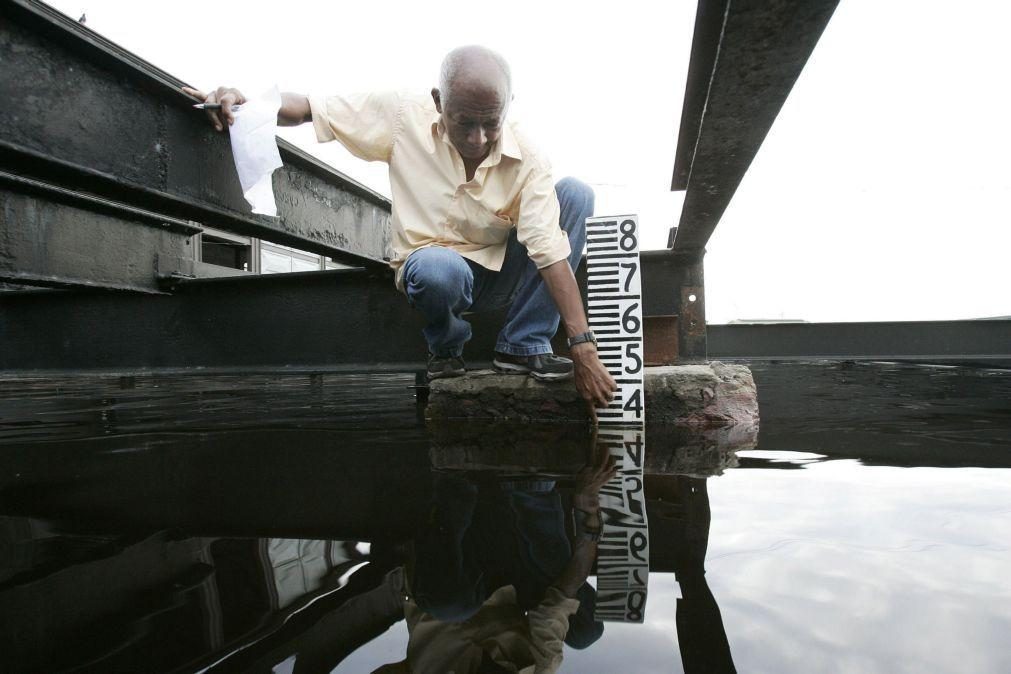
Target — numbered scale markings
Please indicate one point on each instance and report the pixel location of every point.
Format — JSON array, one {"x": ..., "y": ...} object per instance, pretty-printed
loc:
[
  {"x": 623, "y": 550},
  {"x": 614, "y": 290}
]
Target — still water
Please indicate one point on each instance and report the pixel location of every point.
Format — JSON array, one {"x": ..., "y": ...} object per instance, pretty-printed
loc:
[{"x": 310, "y": 522}]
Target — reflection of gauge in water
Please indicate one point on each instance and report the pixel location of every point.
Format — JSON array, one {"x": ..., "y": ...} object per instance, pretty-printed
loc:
[{"x": 623, "y": 549}]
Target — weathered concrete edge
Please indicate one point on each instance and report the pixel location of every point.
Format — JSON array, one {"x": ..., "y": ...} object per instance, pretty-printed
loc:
[{"x": 706, "y": 395}]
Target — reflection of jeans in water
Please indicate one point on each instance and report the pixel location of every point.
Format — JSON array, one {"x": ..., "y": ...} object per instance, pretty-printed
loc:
[
  {"x": 488, "y": 536},
  {"x": 443, "y": 284}
]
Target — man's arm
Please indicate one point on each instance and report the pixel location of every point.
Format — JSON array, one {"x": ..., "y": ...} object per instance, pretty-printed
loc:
[
  {"x": 294, "y": 108},
  {"x": 593, "y": 381}
]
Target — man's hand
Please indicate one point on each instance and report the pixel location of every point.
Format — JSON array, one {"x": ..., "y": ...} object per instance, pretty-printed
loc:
[
  {"x": 585, "y": 496},
  {"x": 594, "y": 383},
  {"x": 226, "y": 97},
  {"x": 592, "y": 477}
]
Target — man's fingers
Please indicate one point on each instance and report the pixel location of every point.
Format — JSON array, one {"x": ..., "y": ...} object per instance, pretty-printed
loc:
[
  {"x": 227, "y": 99},
  {"x": 601, "y": 459},
  {"x": 603, "y": 397},
  {"x": 205, "y": 98},
  {"x": 213, "y": 114},
  {"x": 597, "y": 386}
]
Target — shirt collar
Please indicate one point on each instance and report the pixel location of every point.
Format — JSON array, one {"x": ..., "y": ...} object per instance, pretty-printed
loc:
[
  {"x": 509, "y": 144},
  {"x": 438, "y": 131}
]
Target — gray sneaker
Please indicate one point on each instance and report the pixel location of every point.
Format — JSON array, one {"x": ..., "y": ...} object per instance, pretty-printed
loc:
[
  {"x": 542, "y": 366},
  {"x": 450, "y": 366}
]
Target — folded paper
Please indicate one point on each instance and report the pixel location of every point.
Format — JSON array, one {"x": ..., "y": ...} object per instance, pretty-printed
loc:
[{"x": 254, "y": 148}]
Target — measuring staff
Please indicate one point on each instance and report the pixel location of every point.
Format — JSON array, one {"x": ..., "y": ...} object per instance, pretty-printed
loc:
[{"x": 614, "y": 289}]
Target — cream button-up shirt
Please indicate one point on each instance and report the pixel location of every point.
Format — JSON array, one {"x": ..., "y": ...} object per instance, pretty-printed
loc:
[{"x": 433, "y": 202}]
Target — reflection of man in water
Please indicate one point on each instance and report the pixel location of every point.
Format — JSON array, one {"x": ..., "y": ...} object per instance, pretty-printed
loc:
[{"x": 496, "y": 585}]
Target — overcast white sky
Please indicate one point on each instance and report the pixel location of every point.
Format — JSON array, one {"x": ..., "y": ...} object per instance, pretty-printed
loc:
[{"x": 881, "y": 192}]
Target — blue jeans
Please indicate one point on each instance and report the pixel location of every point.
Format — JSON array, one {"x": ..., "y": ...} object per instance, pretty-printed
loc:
[{"x": 443, "y": 284}]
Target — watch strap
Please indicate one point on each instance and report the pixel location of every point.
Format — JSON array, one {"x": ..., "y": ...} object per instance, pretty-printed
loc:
[{"x": 583, "y": 338}]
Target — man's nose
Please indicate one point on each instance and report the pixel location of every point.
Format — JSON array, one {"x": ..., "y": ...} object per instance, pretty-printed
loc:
[{"x": 477, "y": 136}]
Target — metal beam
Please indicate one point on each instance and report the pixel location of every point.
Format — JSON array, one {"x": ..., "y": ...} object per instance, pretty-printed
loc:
[
  {"x": 981, "y": 342},
  {"x": 746, "y": 56},
  {"x": 59, "y": 238},
  {"x": 81, "y": 111},
  {"x": 674, "y": 286},
  {"x": 309, "y": 319},
  {"x": 709, "y": 19}
]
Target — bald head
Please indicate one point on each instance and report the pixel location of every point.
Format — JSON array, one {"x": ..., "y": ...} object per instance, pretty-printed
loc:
[
  {"x": 472, "y": 98},
  {"x": 474, "y": 68}
]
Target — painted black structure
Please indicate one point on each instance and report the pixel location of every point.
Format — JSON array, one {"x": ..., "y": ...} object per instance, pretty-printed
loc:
[
  {"x": 979, "y": 342},
  {"x": 86, "y": 115},
  {"x": 746, "y": 56}
]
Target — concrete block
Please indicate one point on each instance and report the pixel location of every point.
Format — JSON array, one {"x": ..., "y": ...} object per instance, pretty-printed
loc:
[{"x": 710, "y": 395}]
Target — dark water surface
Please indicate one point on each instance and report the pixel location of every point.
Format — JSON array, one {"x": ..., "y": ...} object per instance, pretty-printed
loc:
[{"x": 289, "y": 522}]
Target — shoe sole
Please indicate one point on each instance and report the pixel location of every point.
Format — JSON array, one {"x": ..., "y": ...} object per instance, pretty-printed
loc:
[
  {"x": 550, "y": 376},
  {"x": 513, "y": 368},
  {"x": 509, "y": 368}
]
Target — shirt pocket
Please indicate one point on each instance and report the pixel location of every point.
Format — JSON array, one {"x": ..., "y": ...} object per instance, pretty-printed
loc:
[{"x": 480, "y": 225}]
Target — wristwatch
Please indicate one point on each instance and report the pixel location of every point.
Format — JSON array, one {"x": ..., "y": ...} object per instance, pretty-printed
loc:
[
  {"x": 579, "y": 527},
  {"x": 587, "y": 336}
]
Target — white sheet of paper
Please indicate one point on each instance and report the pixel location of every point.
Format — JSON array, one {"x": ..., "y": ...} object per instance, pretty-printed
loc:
[{"x": 254, "y": 148}]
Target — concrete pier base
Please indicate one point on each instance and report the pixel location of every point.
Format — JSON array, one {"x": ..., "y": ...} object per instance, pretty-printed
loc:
[{"x": 709, "y": 395}]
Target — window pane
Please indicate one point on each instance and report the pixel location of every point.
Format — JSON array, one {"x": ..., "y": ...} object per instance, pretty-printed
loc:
[
  {"x": 274, "y": 263},
  {"x": 298, "y": 264}
]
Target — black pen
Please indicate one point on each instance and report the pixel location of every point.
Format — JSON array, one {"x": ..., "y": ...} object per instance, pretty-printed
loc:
[{"x": 214, "y": 106}]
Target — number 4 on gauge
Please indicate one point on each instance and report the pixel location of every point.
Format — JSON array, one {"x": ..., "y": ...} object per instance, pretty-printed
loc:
[{"x": 634, "y": 403}]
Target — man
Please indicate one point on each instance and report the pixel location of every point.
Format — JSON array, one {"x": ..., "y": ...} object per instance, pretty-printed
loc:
[{"x": 477, "y": 221}]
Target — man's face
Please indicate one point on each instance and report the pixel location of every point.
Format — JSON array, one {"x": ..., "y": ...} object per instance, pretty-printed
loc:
[{"x": 473, "y": 118}]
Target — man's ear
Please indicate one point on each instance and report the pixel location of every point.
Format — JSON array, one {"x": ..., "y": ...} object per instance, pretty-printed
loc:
[{"x": 437, "y": 97}]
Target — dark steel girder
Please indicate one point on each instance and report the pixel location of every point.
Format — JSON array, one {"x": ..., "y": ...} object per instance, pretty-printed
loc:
[
  {"x": 746, "y": 56},
  {"x": 980, "y": 342},
  {"x": 82, "y": 112},
  {"x": 341, "y": 317},
  {"x": 60, "y": 238}
]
